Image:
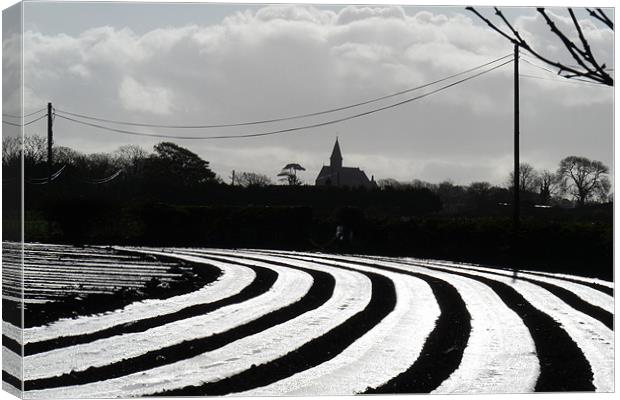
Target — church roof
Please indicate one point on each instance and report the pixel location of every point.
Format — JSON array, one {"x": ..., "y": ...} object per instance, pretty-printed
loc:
[
  {"x": 336, "y": 151},
  {"x": 345, "y": 176}
]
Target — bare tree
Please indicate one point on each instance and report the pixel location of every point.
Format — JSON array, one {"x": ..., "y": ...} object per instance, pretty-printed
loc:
[
  {"x": 584, "y": 179},
  {"x": 289, "y": 174},
  {"x": 528, "y": 178},
  {"x": 246, "y": 179},
  {"x": 35, "y": 150},
  {"x": 479, "y": 192},
  {"x": 11, "y": 150},
  {"x": 130, "y": 158},
  {"x": 587, "y": 67},
  {"x": 547, "y": 186},
  {"x": 389, "y": 183},
  {"x": 67, "y": 156},
  {"x": 420, "y": 184}
]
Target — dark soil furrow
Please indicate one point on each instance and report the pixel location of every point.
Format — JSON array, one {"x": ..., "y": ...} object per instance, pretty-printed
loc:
[
  {"x": 563, "y": 366},
  {"x": 12, "y": 345},
  {"x": 320, "y": 291},
  {"x": 264, "y": 280},
  {"x": 312, "y": 353},
  {"x": 565, "y": 295},
  {"x": 12, "y": 380},
  {"x": 444, "y": 347},
  {"x": 596, "y": 286},
  {"x": 593, "y": 285}
]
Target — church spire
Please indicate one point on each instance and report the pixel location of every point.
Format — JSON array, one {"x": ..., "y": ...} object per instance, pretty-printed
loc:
[{"x": 336, "y": 157}]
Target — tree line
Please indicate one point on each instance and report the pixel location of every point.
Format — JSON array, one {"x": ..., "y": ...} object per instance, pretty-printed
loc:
[{"x": 577, "y": 180}]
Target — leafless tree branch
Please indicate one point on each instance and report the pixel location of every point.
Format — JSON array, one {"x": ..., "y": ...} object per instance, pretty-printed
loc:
[
  {"x": 601, "y": 16},
  {"x": 588, "y": 67}
]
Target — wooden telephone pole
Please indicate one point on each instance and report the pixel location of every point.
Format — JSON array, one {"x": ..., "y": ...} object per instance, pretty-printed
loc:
[
  {"x": 516, "y": 144},
  {"x": 50, "y": 141}
]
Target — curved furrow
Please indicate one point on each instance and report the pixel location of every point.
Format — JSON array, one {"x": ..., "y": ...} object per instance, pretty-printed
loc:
[
  {"x": 499, "y": 356},
  {"x": 564, "y": 366},
  {"x": 238, "y": 283},
  {"x": 289, "y": 298},
  {"x": 574, "y": 349},
  {"x": 12, "y": 336},
  {"x": 581, "y": 298},
  {"x": 595, "y": 297},
  {"x": 340, "y": 335},
  {"x": 119, "y": 355},
  {"x": 443, "y": 349},
  {"x": 595, "y": 283},
  {"x": 11, "y": 363},
  {"x": 11, "y": 384},
  {"x": 385, "y": 350},
  {"x": 11, "y": 344},
  {"x": 334, "y": 300}
]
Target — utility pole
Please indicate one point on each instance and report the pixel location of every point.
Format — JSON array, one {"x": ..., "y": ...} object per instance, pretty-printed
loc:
[
  {"x": 233, "y": 178},
  {"x": 516, "y": 143},
  {"x": 50, "y": 141}
]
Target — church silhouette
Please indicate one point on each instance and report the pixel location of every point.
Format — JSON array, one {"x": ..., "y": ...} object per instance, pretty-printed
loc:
[{"x": 335, "y": 174}]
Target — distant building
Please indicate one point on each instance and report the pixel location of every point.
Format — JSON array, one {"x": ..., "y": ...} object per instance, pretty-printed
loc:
[{"x": 335, "y": 174}]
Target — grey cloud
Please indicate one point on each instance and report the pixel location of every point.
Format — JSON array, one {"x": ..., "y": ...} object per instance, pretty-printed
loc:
[
  {"x": 285, "y": 60},
  {"x": 353, "y": 13}
]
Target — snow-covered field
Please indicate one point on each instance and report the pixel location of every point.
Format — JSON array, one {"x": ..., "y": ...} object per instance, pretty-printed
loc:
[{"x": 288, "y": 323}]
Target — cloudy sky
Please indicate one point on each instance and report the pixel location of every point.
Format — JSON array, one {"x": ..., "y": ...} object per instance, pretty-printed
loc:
[{"x": 197, "y": 64}]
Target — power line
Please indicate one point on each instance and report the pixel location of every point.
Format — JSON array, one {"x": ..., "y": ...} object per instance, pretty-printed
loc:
[
  {"x": 207, "y": 126},
  {"x": 24, "y": 116},
  {"x": 27, "y": 123},
  {"x": 101, "y": 180},
  {"x": 289, "y": 130},
  {"x": 43, "y": 181}
]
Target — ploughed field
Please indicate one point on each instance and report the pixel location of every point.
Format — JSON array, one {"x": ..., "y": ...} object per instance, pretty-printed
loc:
[{"x": 289, "y": 323}]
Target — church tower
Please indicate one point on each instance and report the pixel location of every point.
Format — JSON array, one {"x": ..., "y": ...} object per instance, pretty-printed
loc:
[{"x": 335, "y": 161}]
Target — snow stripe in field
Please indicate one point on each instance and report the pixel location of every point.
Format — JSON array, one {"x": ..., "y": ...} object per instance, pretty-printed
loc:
[
  {"x": 56, "y": 264},
  {"x": 11, "y": 384},
  {"x": 444, "y": 347},
  {"x": 313, "y": 352},
  {"x": 11, "y": 331},
  {"x": 569, "y": 297},
  {"x": 349, "y": 293},
  {"x": 595, "y": 281},
  {"x": 100, "y": 273},
  {"x": 11, "y": 362},
  {"x": 120, "y": 351},
  {"x": 593, "y": 339},
  {"x": 235, "y": 279},
  {"x": 384, "y": 351},
  {"x": 498, "y": 338},
  {"x": 587, "y": 293}
]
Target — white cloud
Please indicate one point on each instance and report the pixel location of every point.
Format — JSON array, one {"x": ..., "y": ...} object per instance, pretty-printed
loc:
[
  {"x": 283, "y": 60},
  {"x": 136, "y": 96}
]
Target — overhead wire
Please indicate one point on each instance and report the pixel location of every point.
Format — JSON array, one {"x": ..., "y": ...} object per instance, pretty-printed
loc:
[
  {"x": 102, "y": 180},
  {"x": 26, "y": 123},
  {"x": 562, "y": 81},
  {"x": 299, "y": 116},
  {"x": 45, "y": 180},
  {"x": 288, "y": 130},
  {"x": 24, "y": 116}
]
